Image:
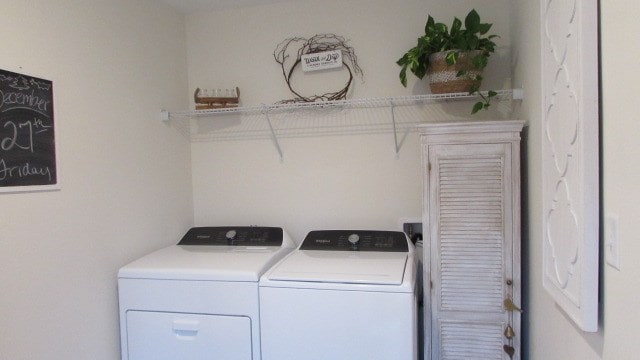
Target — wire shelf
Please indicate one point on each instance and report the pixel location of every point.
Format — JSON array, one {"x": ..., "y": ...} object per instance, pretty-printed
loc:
[
  {"x": 342, "y": 117},
  {"x": 508, "y": 94}
]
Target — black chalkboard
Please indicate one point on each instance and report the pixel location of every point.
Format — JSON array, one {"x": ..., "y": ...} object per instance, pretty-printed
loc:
[{"x": 27, "y": 136}]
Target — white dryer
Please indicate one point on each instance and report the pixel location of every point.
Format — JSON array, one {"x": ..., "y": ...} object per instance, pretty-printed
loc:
[
  {"x": 343, "y": 295},
  {"x": 198, "y": 299}
]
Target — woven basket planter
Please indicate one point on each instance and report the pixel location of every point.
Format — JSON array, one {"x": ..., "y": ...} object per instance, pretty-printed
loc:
[{"x": 442, "y": 76}]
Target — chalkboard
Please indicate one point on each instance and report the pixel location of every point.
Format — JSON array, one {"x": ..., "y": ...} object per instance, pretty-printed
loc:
[{"x": 27, "y": 136}]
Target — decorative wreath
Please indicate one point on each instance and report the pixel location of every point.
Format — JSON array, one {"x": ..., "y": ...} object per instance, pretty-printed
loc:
[{"x": 318, "y": 43}]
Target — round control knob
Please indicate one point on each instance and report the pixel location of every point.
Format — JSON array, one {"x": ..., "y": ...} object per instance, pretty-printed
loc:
[
  {"x": 231, "y": 235},
  {"x": 354, "y": 239}
]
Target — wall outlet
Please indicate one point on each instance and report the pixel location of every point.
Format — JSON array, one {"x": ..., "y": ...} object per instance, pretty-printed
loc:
[
  {"x": 611, "y": 241},
  {"x": 413, "y": 230}
]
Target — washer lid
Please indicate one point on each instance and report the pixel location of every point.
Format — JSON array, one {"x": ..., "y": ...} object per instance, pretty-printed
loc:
[
  {"x": 382, "y": 268},
  {"x": 197, "y": 262}
]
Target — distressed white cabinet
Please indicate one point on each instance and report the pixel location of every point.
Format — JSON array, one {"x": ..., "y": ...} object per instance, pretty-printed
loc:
[{"x": 472, "y": 257}]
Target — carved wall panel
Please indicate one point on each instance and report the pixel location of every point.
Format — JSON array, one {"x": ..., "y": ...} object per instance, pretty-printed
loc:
[{"x": 570, "y": 155}]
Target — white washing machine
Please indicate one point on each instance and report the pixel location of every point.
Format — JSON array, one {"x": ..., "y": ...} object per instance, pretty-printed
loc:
[
  {"x": 198, "y": 299},
  {"x": 342, "y": 295}
]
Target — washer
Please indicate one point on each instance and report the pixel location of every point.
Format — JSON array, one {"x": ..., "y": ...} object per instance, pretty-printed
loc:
[
  {"x": 343, "y": 294},
  {"x": 198, "y": 299}
]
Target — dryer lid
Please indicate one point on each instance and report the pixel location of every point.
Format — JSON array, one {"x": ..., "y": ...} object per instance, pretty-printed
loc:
[
  {"x": 217, "y": 263},
  {"x": 222, "y": 253},
  {"x": 380, "y": 268}
]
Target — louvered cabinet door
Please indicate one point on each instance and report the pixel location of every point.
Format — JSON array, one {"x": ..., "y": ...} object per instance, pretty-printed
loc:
[{"x": 472, "y": 215}]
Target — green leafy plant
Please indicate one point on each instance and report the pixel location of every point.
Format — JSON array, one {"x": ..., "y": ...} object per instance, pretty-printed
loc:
[{"x": 456, "y": 39}]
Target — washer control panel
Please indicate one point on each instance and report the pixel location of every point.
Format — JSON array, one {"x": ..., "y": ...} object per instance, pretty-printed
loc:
[
  {"x": 356, "y": 240},
  {"x": 233, "y": 236}
]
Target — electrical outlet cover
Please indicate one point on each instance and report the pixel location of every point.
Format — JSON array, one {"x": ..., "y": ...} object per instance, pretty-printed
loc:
[{"x": 611, "y": 241}]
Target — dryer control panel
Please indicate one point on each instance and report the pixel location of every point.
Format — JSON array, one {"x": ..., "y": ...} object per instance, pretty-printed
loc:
[
  {"x": 233, "y": 236},
  {"x": 356, "y": 240}
]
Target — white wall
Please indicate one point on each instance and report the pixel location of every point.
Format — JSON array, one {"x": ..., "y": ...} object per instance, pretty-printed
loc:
[
  {"x": 621, "y": 171},
  {"x": 126, "y": 185},
  {"x": 549, "y": 332},
  {"x": 352, "y": 181}
]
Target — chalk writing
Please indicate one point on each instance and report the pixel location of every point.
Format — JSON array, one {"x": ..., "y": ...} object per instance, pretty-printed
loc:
[
  {"x": 22, "y": 170},
  {"x": 11, "y": 100},
  {"x": 27, "y": 139}
]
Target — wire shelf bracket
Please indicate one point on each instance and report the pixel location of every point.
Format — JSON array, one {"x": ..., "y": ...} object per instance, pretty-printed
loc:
[{"x": 273, "y": 133}]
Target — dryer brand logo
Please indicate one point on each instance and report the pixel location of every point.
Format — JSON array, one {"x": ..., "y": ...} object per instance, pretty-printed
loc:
[{"x": 323, "y": 241}]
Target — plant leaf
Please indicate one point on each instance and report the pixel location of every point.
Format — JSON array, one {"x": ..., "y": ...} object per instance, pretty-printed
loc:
[
  {"x": 472, "y": 43},
  {"x": 430, "y": 24},
  {"x": 403, "y": 76},
  {"x": 452, "y": 57},
  {"x": 461, "y": 42},
  {"x": 421, "y": 69},
  {"x": 487, "y": 46},
  {"x": 403, "y": 60},
  {"x": 440, "y": 28},
  {"x": 456, "y": 26},
  {"x": 472, "y": 21},
  {"x": 484, "y": 28},
  {"x": 477, "y": 107},
  {"x": 480, "y": 61}
]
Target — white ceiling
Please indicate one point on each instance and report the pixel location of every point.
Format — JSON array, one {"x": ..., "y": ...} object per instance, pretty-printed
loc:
[{"x": 192, "y": 6}]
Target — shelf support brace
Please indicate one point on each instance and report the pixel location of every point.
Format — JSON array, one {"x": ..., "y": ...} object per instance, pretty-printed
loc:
[
  {"x": 265, "y": 111},
  {"x": 395, "y": 129},
  {"x": 398, "y": 144}
]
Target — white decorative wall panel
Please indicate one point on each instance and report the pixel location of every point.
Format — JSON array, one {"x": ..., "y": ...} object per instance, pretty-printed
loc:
[{"x": 570, "y": 154}]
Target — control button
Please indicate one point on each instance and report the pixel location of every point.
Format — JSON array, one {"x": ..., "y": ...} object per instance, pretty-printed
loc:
[
  {"x": 354, "y": 239},
  {"x": 231, "y": 235}
]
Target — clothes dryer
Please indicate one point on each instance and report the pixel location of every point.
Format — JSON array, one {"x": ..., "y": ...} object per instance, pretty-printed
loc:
[
  {"x": 198, "y": 299},
  {"x": 343, "y": 294}
]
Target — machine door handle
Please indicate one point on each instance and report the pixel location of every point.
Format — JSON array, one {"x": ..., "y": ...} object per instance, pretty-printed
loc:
[{"x": 186, "y": 328}]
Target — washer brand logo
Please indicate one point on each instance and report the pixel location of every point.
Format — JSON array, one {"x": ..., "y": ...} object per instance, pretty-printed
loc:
[
  {"x": 322, "y": 241},
  {"x": 202, "y": 236}
]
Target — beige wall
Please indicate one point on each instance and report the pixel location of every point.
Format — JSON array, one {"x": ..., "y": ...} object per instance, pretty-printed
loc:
[
  {"x": 235, "y": 47},
  {"x": 126, "y": 178},
  {"x": 125, "y": 175},
  {"x": 550, "y": 334},
  {"x": 621, "y": 171},
  {"x": 329, "y": 181}
]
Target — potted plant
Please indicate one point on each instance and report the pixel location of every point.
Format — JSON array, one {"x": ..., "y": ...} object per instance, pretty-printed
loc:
[{"x": 453, "y": 57}]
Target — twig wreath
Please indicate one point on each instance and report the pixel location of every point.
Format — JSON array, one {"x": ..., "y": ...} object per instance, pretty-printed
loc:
[{"x": 318, "y": 43}]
